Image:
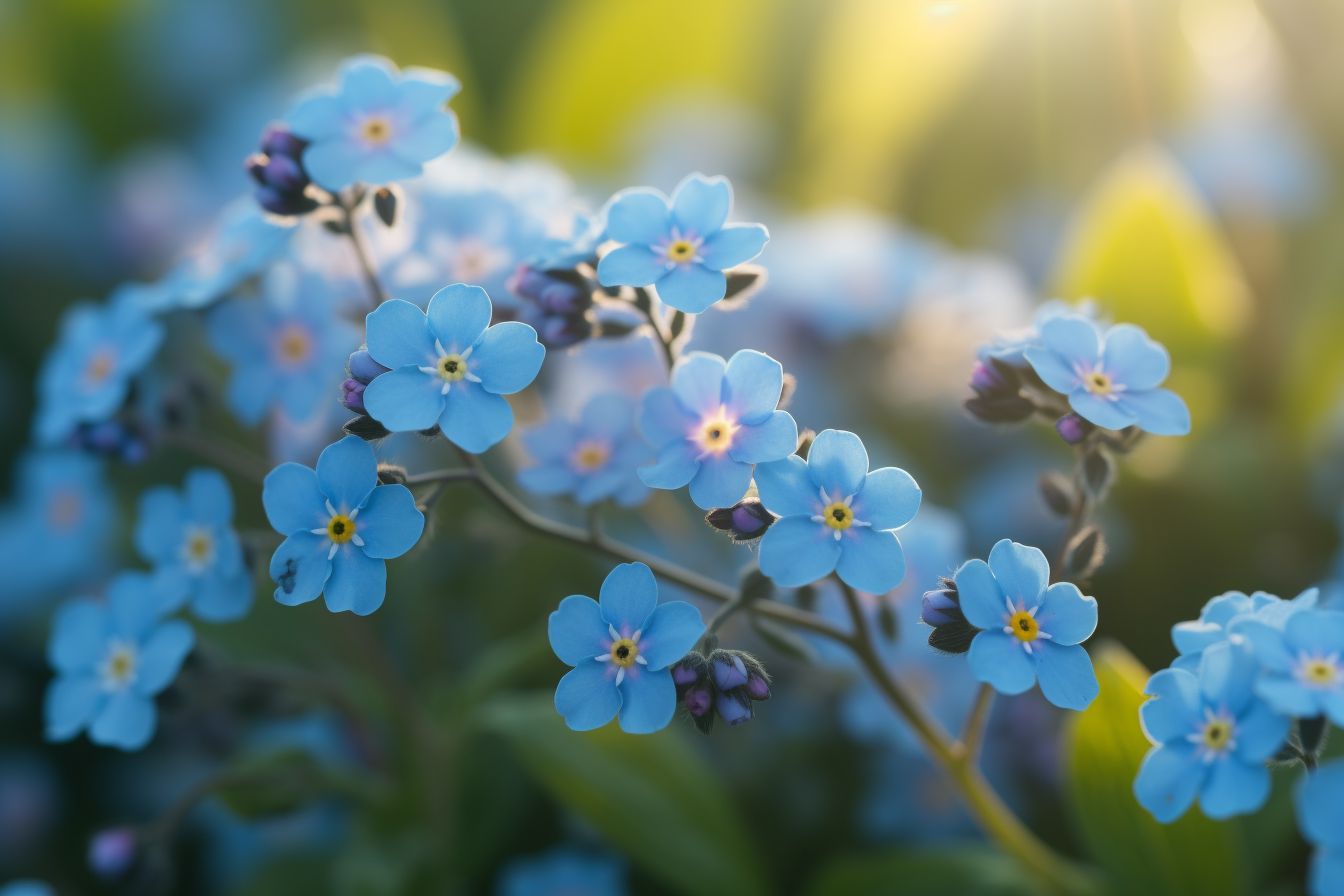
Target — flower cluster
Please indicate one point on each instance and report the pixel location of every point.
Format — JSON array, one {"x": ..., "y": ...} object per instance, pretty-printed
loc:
[{"x": 724, "y": 684}]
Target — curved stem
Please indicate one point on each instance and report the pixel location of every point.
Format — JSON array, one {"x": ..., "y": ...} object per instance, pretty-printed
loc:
[
  {"x": 644, "y": 303},
  {"x": 973, "y": 735},
  {"x": 377, "y": 294}
]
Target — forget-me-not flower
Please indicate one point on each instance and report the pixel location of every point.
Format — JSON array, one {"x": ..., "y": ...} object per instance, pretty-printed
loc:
[
  {"x": 1030, "y": 630},
  {"x": 714, "y": 423},
  {"x": 1111, "y": 381},
  {"x": 563, "y": 871},
  {"x": 340, "y": 527},
  {"x": 449, "y": 367},
  {"x": 111, "y": 658},
  {"x": 189, "y": 538},
  {"x": 1213, "y": 736},
  {"x": 621, "y": 646},
  {"x": 681, "y": 246},
  {"x": 835, "y": 516},
  {"x": 592, "y": 458},
  {"x": 1320, "y": 815},
  {"x": 1221, "y": 617},
  {"x": 381, "y": 125},
  {"x": 1301, "y": 663}
]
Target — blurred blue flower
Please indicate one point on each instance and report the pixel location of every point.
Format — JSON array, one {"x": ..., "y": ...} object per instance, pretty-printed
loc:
[
  {"x": 1219, "y": 619},
  {"x": 680, "y": 245},
  {"x": 27, "y": 888},
  {"x": 563, "y": 871},
  {"x": 835, "y": 516},
  {"x": 586, "y": 233},
  {"x": 340, "y": 526},
  {"x": 714, "y": 423},
  {"x": 1011, "y": 347},
  {"x": 1320, "y": 814},
  {"x": 1212, "y": 736},
  {"x": 244, "y": 243},
  {"x": 1301, "y": 663},
  {"x": 86, "y": 376},
  {"x": 1030, "y": 630},
  {"x": 111, "y": 658},
  {"x": 381, "y": 125},
  {"x": 621, "y": 646},
  {"x": 593, "y": 458},
  {"x": 189, "y": 539},
  {"x": 449, "y": 367},
  {"x": 1111, "y": 381}
]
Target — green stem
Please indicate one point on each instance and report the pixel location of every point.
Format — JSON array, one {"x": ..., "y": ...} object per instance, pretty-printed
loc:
[
  {"x": 973, "y": 735},
  {"x": 377, "y": 294}
]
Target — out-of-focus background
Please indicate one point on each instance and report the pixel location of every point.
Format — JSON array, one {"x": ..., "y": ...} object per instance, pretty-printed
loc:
[{"x": 930, "y": 171}]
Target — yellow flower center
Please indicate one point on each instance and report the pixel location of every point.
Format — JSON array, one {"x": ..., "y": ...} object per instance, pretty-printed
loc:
[
  {"x": 623, "y": 652},
  {"x": 1217, "y": 735},
  {"x": 376, "y": 129},
  {"x": 340, "y": 528},
  {"x": 590, "y": 456},
  {"x": 1319, "y": 672},
  {"x": 119, "y": 667},
  {"x": 100, "y": 366},
  {"x": 452, "y": 368},
  {"x": 65, "y": 510},
  {"x": 199, "y": 548},
  {"x": 1098, "y": 383},
  {"x": 1024, "y": 626},
  {"x": 680, "y": 251},
  {"x": 716, "y": 433},
  {"x": 839, "y": 516},
  {"x": 293, "y": 345}
]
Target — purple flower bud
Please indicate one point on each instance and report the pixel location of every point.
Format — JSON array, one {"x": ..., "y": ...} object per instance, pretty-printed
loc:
[
  {"x": 1072, "y": 428},
  {"x": 277, "y": 141},
  {"x": 279, "y": 202},
  {"x": 698, "y": 700},
  {"x": 553, "y": 292},
  {"x": 285, "y": 174},
  {"x": 733, "y": 709},
  {"x": 757, "y": 687},
  {"x": 729, "y": 670},
  {"x": 562, "y": 331},
  {"x": 352, "y": 395},
  {"x": 363, "y": 368},
  {"x": 941, "y": 608},
  {"x": 112, "y": 852},
  {"x": 684, "y": 674},
  {"x": 986, "y": 379},
  {"x": 746, "y": 520}
]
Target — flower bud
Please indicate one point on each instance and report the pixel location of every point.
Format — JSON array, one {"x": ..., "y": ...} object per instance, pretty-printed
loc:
[
  {"x": 552, "y": 292},
  {"x": 732, "y": 708},
  {"x": 941, "y": 608},
  {"x": 563, "y": 330},
  {"x": 698, "y": 700},
  {"x": 112, "y": 852},
  {"x": 276, "y": 140},
  {"x": 352, "y": 395},
  {"x": 282, "y": 182},
  {"x": 758, "y": 687},
  {"x": 685, "y": 674},
  {"x": 363, "y": 368},
  {"x": 729, "y": 670},
  {"x": 746, "y": 520},
  {"x": 988, "y": 379},
  {"x": 1073, "y": 429}
]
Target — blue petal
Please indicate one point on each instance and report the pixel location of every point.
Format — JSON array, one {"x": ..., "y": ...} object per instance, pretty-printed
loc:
[
  {"x": 733, "y": 245},
  {"x": 691, "y": 287},
  {"x": 300, "y": 568},
  {"x": 1066, "y": 675},
  {"x": 838, "y": 463},
  {"x": 1073, "y": 338},
  {"x": 871, "y": 560},
  {"x": 1260, "y": 732},
  {"x": 70, "y": 703},
  {"x": 135, "y": 601},
  {"x": 347, "y": 471},
  {"x": 398, "y": 335},
  {"x": 1320, "y": 804},
  {"x": 772, "y": 439},
  {"x": 998, "y": 660},
  {"x": 981, "y": 597},
  {"x": 670, "y": 633},
  {"x": 888, "y": 499},
  {"x": 208, "y": 497},
  {"x": 700, "y": 204},
  {"x": 1107, "y": 413},
  {"x": 223, "y": 598},
  {"x": 648, "y": 700},
  {"x": 473, "y": 419},
  {"x": 293, "y": 499},
  {"x": 1132, "y": 359},
  {"x": 1287, "y": 695},
  {"x": 334, "y": 163},
  {"x": 1158, "y": 411},
  {"x": 1192, "y": 637},
  {"x": 577, "y": 630},
  {"x": 251, "y": 391},
  {"x": 159, "y": 525},
  {"x": 548, "y": 479},
  {"x": 162, "y": 655},
  {"x": 676, "y": 466},
  {"x": 317, "y": 118},
  {"x": 79, "y": 634},
  {"x": 367, "y": 81},
  {"x": 553, "y": 440},
  {"x": 698, "y": 382},
  {"x": 458, "y": 315},
  {"x": 1176, "y": 708},
  {"x": 1052, "y": 369},
  {"x": 1234, "y": 788},
  {"x": 786, "y": 488},
  {"x": 1326, "y": 877},
  {"x": 1226, "y": 673},
  {"x": 1021, "y": 571},
  {"x": 1066, "y": 614},
  {"x": 629, "y": 594},
  {"x": 609, "y": 415},
  {"x": 405, "y": 400},
  {"x": 587, "y": 697},
  {"x": 1168, "y": 780},
  {"x": 720, "y": 482},
  {"x": 358, "y": 582},
  {"x": 1316, "y": 631},
  {"x": 126, "y": 721},
  {"x": 507, "y": 358},
  {"x": 639, "y": 216},
  {"x": 1266, "y": 641},
  {"x": 663, "y": 419},
  {"x": 630, "y": 266},
  {"x": 389, "y": 523},
  {"x": 796, "y": 551},
  {"x": 752, "y": 384},
  {"x": 428, "y": 138}
]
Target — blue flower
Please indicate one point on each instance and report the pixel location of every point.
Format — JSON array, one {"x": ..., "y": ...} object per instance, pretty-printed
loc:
[
  {"x": 380, "y": 126},
  {"x": 563, "y": 871},
  {"x": 1112, "y": 382},
  {"x": 1030, "y": 630},
  {"x": 593, "y": 458},
  {"x": 245, "y": 242},
  {"x": 449, "y": 367},
  {"x": 681, "y": 246},
  {"x": 1219, "y": 619},
  {"x": 189, "y": 539},
  {"x": 1011, "y": 347},
  {"x": 1212, "y": 737},
  {"x": 339, "y": 528},
  {"x": 586, "y": 233},
  {"x": 111, "y": 658},
  {"x": 835, "y": 516},
  {"x": 1301, "y": 663},
  {"x": 87, "y": 375},
  {"x": 715, "y": 422},
  {"x": 621, "y": 647},
  {"x": 1320, "y": 815}
]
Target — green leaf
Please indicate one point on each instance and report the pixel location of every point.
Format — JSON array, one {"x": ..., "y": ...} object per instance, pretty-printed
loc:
[
  {"x": 650, "y": 796},
  {"x": 1103, "y": 747},
  {"x": 928, "y": 872},
  {"x": 268, "y": 784}
]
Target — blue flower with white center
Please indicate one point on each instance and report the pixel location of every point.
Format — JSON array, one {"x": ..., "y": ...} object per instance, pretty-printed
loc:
[
  {"x": 1219, "y": 620},
  {"x": 835, "y": 516},
  {"x": 286, "y": 349},
  {"x": 621, "y": 647},
  {"x": 1031, "y": 631},
  {"x": 87, "y": 375},
  {"x": 563, "y": 871},
  {"x": 448, "y": 367},
  {"x": 189, "y": 538},
  {"x": 1301, "y": 663},
  {"x": 1320, "y": 815},
  {"x": 593, "y": 458},
  {"x": 681, "y": 246},
  {"x": 381, "y": 125},
  {"x": 111, "y": 658},
  {"x": 1212, "y": 737},
  {"x": 715, "y": 422},
  {"x": 340, "y": 527},
  {"x": 1111, "y": 381}
]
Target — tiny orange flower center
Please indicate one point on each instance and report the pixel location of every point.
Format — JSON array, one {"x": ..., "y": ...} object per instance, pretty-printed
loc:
[
  {"x": 376, "y": 129},
  {"x": 340, "y": 528},
  {"x": 716, "y": 433},
  {"x": 65, "y": 510},
  {"x": 100, "y": 366},
  {"x": 590, "y": 456},
  {"x": 294, "y": 344},
  {"x": 1024, "y": 626}
]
